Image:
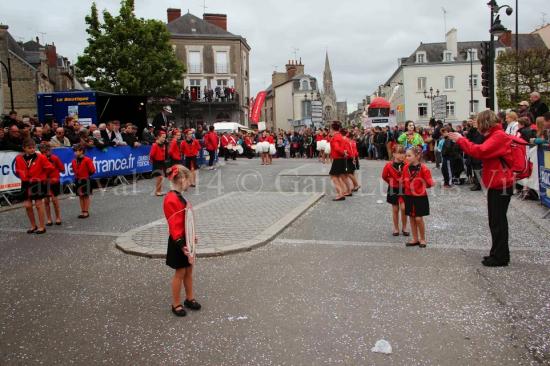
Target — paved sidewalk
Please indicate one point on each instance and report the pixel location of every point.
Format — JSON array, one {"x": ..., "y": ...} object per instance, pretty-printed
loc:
[
  {"x": 315, "y": 169},
  {"x": 231, "y": 223}
]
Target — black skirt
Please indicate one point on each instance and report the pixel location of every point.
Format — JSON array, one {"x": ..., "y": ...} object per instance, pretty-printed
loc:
[
  {"x": 173, "y": 162},
  {"x": 339, "y": 167},
  {"x": 54, "y": 189},
  {"x": 175, "y": 258},
  {"x": 394, "y": 196},
  {"x": 34, "y": 190},
  {"x": 83, "y": 187},
  {"x": 350, "y": 166},
  {"x": 417, "y": 206},
  {"x": 191, "y": 162},
  {"x": 159, "y": 168}
]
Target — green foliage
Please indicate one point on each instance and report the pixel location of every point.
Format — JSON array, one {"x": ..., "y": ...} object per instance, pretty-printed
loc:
[
  {"x": 129, "y": 55},
  {"x": 534, "y": 75}
]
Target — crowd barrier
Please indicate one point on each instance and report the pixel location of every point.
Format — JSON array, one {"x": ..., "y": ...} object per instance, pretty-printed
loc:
[
  {"x": 543, "y": 165},
  {"x": 110, "y": 162}
]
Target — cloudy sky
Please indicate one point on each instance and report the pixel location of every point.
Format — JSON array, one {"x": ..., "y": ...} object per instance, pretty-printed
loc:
[{"x": 364, "y": 38}]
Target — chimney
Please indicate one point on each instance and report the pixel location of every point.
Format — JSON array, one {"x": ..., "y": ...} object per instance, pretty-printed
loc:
[
  {"x": 506, "y": 39},
  {"x": 51, "y": 55},
  {"x": 300, "y": 68},
  {"x": 291, "y": 69},
  {"x": 452, "y": 42},
  {"x": 173, "y": 14},
  {"x": 219, "y": 20}
]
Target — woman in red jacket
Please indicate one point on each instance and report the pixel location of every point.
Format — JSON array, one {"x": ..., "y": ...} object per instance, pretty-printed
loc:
[
  {"x": 157, "y": 155},
  {"x": 53, "y": 184},
  {"x": 178, "y": 256},
  {"x": 190, "y": 148},
  {"x": 498, "y": 179},
  {"x": 417, "y": 178},
  {"x": 83, "y": 169},
  {"x": 174, "y": 152},
  {"x": 211, "y": 143},
  {"x": 393, "y": 175},
  {"x": 339, "y": 156},
  {"x": 33, "y": 170}
]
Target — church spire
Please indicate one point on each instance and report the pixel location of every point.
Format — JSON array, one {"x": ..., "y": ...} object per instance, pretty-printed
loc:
[{"x": 329, "y": 95}]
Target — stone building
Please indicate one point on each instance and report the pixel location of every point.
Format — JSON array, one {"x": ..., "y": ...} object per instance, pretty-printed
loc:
[
  {"x": 216, "y": 62},
  {"x": 290, "y": 99},
  {"x": 35, "y": 68}
]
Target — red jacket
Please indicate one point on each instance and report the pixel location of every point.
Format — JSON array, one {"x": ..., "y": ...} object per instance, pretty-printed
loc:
[
  {"x": 354, "y": 153},
  {"x": 496, "y": 145},
  {"x": 158, "y": 153},
  {"x": 36, "y": 170},
  {"x": 211, "y": 141},
  {"x": 417, "y": 185},
  {"x": 248, "y": 142},
  {"x": 392, "y": 176},
  {"x": 225, "y": 140},
  {"x": 190, "y": 149},
  {"x": 54, "y": 175},
  {"x": 319, "y": 137},
  {"x": 174, "y": 151},
  {"x": 337, "y": 146},
  {"x": 84, "y": 169},
  {"x": 174, "y": 211}
]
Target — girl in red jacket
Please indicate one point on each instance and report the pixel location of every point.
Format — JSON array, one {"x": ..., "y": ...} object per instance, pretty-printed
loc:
[
  {"x": 178, "y": 256},
  {"x": 417, "y": 178},
  {"x": 339, "y": 155},
  {"x": 498, "y": 179},
  {"x": 33, "y": 170},
  {"x": 191, "y": 147},
  {"x": 157, "y": 155},
  {"x": 174, "y": 152},
  {"x": 83, "y": 169},
  {"x": 393, "y": 175},
  {"x": 53, "y": 184}
]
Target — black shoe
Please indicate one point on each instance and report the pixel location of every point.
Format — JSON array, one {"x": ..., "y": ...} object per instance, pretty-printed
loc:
[
  {"x": 492, "y": 262},
  {"x": 405, "y": 233},
  {"x": 412, "y": 244},
  {"x": 192, "y": 304},
  {"x": 31, "y": 231},
  {"x": 475, "y": 188},
  {"x": 179, "y": 310},
  {"x": 49, "y": 224},
  {"x": 39, "y": 232}
]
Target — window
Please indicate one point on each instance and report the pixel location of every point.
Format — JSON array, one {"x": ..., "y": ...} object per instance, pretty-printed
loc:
[
  {"x": 475, "y": 81},
  {"x": 474, "y": 108},
  {"x": 195, "y": 62},
  {"x": 423, "y": 110},
  {"x": 195, "y": 82},
  {"x": 450, "y": 109},
  {"x": 448, "y": 56},
  {"x": 305, "y": 85},
  {"x": 420, "y": 57},
  {"x": 222, "y": 65},
  {"x": 421, "y": 84},
  {"x": 449, "y": 82},
  {"x": 306, "y": 109},
  {"x": 222, "y": 83},
  {"x": 472, "y": 54}
]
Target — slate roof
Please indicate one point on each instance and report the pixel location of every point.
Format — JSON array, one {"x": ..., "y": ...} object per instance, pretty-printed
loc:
[{"x": 188, "y": 25}]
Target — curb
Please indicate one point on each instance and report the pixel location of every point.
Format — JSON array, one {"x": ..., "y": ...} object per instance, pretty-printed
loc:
[
  {"x": 128, "y": 246},
  {"x": 540, "y": 223}
]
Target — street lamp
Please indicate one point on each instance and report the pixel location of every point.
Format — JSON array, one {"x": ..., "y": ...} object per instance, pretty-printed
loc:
[
  {"x": 496, "y": 30},
  {"x": 431, "y": 97},
  {"x": 10, "y": 85}
]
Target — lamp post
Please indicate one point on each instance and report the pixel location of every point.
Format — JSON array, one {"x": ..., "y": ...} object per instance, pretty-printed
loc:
[
  {"x": 10, "y": 85},
  {"x": 431, "y": 96},
  {"x": 496, "y": 30}
]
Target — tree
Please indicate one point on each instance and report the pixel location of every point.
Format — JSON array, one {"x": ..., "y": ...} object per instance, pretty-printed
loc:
[
  {"x": 534, "y": 75},
  {"x": 129, "y": 55}
]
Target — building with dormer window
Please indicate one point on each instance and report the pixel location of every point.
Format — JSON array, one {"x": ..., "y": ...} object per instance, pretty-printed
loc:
[{"x": 216, "y": 84}]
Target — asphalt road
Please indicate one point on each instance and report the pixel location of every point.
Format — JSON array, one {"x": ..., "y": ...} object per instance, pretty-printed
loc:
[{"x": 323, "y": 292}]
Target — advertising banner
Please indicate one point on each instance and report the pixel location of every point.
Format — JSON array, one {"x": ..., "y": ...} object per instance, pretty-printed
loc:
[
  {"x": 110, "y": 162},
  {"x": 8, "y": 179},
  {"x": 257, "y": 109},
  {"x": 544, "y": 176}
]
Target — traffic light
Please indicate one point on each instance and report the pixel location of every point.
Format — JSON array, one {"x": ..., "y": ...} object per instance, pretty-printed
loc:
[{"x": 485, "y": 60}]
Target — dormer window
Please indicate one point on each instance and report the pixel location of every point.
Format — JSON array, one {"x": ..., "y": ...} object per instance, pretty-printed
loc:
[
  {"x": 472, "y": 54},
  {"x": 305, "y": 85},
  {"x": 447, "y": 56},
  {"x": 421, "y": 57}
]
